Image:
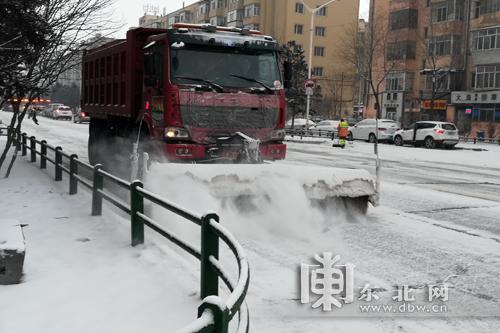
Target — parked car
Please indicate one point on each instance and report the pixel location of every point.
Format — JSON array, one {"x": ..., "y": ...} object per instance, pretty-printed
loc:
[
  {"x": 428, "y": 133},
  {"x": 49, "y": 111},
  {"x": 365, "y": 130},
  {"x": 81, "y": 117},
  {"x": 299, "y": 123},
  {"x": 327, "y": 125},
  {"x": 62, "y": 112}
]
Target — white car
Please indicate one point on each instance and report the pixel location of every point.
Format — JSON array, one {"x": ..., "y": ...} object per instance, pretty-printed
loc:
[
  {"x": 62, "y": 112},
  {"x": 428, "y": 133},
  {"x": 365, "y": 130},
  {"x": 327, "y": 126},
  {"x": 299, "y": 123}
]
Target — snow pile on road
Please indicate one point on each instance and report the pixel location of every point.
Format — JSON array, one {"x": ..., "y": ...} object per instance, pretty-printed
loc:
[{"x": 261, "y": 200}]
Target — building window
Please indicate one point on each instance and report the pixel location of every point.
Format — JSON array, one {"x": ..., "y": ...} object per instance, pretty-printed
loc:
[
  {"x": 403, "y": 19},
  {"x": 321, "y": 12},
  {"x": 252, "y": 10},
  {"x": 399, "y": 81},
  {"x": 317, "y": 71},
  {"x": 299, "y": 8},
  {"x": 487, "y": 76},
  {"x": 231, "y": 16},
  {"x": 441, "y": 14},
  {"x": 486, "y": 39},
  {"x": 488, "y": 6},
  {"x": 442, "y": 82},
  {"x": 298, "y": 29},
  {"x": 320, "y": 31},
  {"x": 439, "y": 46},
  {"x": 319, "y": 51},
  {"x": 401, "y": 50},
  {"x": 447, "y": 11}
]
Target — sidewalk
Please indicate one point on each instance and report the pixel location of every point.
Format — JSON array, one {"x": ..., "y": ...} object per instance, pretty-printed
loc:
[{"x": 80, "y": 272}]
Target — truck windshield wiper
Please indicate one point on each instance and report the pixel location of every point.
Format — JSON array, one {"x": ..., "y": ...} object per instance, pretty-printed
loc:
[
  {"x": 250, "y": 79},
  {"x": 214, "y": 85}
]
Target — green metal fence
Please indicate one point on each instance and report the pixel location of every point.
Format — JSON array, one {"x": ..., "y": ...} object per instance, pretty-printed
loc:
[{"x": 214, "y": 314}]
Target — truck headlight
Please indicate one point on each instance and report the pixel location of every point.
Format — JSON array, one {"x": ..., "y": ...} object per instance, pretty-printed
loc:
[
  {"x": 176, "y": 133},
  {"x": 278, "y": 134}
]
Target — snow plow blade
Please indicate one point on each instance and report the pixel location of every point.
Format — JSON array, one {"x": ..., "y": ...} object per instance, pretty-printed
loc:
[{"x": 252, "y": 187}]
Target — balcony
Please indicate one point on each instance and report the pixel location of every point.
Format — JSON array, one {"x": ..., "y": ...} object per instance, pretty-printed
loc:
[{"x": 403, "y": 4}]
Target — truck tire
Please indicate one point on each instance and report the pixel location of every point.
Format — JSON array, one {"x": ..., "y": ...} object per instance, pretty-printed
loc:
[{"x": 97, "y": 141}]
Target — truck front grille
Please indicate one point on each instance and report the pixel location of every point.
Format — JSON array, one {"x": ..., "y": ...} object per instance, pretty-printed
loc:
[{"x": 233, "y": 117}]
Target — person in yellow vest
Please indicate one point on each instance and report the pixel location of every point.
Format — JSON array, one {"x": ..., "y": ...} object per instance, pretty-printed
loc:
[{"x": 343, "y": 131}]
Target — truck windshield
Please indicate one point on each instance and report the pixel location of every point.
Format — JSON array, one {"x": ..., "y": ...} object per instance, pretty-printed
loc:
[{"x": 225, "y": 67}]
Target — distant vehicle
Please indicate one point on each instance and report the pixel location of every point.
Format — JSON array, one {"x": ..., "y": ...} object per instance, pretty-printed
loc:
[
  {"x": 365, "y": 130},
  {"x": 299, "y": 123},
  {"x": 329, "y": 127},
  {"x": 428, "y": 133},
  {"x": 81, "y": 117},
  {"x": 49, "y": 111},
  {"x": 62, "y": 112}
]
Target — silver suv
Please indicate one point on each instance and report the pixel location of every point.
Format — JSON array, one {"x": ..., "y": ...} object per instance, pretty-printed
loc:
[{"x": 428, "y": 133}]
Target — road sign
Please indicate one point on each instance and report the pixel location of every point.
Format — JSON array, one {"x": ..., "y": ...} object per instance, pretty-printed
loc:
[
  {"x": 309, "y": 91},
  {"x": 309, "y": 84}
]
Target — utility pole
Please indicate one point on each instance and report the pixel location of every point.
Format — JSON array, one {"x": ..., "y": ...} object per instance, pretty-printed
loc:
[{"x": 313, "y": 12}]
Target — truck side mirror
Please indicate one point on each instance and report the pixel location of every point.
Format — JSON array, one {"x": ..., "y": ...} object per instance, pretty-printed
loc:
[{"x": 287, "y": 68}]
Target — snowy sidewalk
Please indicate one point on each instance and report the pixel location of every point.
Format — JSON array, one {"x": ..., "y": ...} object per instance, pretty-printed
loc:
[{"x": 80, "y": 272}]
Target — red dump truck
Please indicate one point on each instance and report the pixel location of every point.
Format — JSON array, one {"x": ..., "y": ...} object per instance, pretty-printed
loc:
[{"x": 190, "y": 93}]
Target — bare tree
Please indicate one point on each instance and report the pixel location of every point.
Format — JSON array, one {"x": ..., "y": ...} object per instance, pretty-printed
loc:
[
  {"x": 44, "y": 39},
  {"x": 443, "y": 55},
  {"x": 374, "y": 55},
  {"x": 338, "y": 91}
]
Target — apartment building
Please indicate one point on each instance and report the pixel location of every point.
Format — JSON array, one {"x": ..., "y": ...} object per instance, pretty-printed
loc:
[
  {"x": 287, "y": 20},
  {"x": 441, "y": 62}
]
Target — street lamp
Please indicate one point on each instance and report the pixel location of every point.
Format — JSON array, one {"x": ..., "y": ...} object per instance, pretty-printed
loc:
[{"x": 311, "y": 36}]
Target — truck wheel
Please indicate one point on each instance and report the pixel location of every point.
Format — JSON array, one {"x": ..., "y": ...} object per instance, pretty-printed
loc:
[{"x": 98, "y": 130}]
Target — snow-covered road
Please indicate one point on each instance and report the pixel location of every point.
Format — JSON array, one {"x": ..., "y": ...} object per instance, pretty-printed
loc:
[{"x": 439, "y": 219}]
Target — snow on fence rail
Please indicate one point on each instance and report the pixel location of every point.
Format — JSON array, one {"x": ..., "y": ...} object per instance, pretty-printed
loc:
[{"x": 214, "y": 314}]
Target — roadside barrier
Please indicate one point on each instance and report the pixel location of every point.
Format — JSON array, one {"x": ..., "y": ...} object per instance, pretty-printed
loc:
[
  {"x": 480, "y": 140},
  {"x": 214, "y": 314},
  {"x": 311, "y": 133}
]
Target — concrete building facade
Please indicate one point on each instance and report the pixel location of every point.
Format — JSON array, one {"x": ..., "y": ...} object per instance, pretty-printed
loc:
[
  {"x": 287, "y": 20},
  {"x": 444, "y": 61}
]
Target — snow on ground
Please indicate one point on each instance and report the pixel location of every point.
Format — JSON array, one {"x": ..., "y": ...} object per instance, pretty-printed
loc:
[
  {"x": 439, "y": 219},
  {"x": 80, "y": 272}
]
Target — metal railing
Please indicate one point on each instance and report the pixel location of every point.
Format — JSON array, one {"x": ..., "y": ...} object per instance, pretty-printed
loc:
[
  {"x": 214, "y": 314},
  {"x": 311, "y": 133},
  {"x": 480, "y": 140}
]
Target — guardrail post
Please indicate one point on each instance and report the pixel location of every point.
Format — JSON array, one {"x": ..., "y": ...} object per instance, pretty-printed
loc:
[
  {"x": 33, "y": 149},
  {"x": 73, "y": 170},
  {"x": 96, "y": 196},
  {"x": 58, "y": 165},
  {"x": 209, "y": 247},
  {"x": 43, "y": 155},
  {"x": 23, "y": 147},
  {"x": 136, "y": 206},
  {"x": 221, "y": 316}
]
